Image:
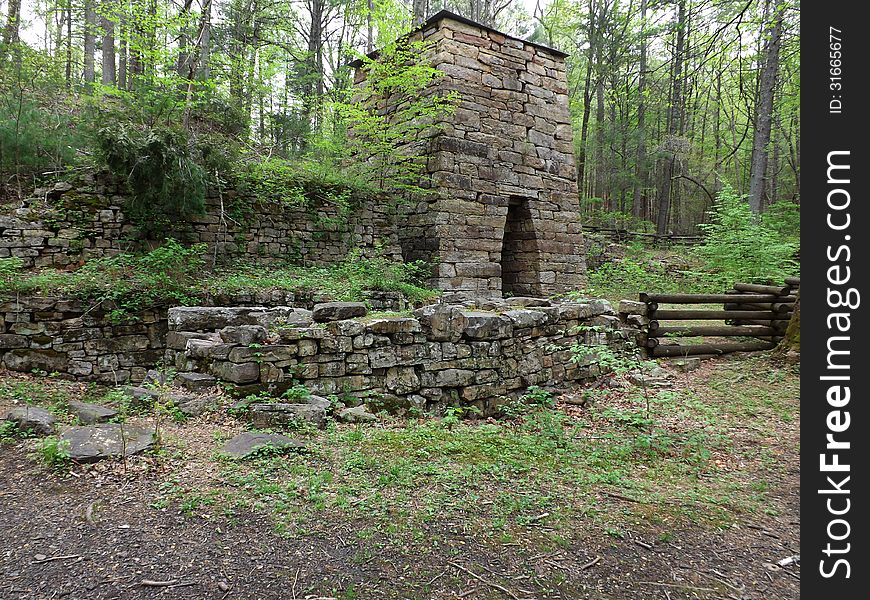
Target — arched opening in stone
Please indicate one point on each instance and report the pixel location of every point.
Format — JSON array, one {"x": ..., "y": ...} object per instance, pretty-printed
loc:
[{"x": 520, "y": 271}]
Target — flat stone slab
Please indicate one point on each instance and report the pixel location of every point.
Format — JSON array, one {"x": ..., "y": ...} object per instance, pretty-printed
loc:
[
  {"x": 526, "y": 301},
  {"x": 277, "y": 414},
  {"x": 32, "y": 418},
  {"x": 244, "y": 334},
  {"x": 338, "y": 311},
  {"x": 195, "y": 382},
  {"x": 88, "y": 414},
  {"x": 248, "y": 442},
  {"x": 358, "y": 414},
  {"x": 194, "y": 405},
  {"x": 107, "y": 440},
  {"x": 213, "y": 318}
]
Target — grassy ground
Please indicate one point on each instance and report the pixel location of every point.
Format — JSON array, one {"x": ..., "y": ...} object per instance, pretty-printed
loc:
[{"x": 638, "y": 479}]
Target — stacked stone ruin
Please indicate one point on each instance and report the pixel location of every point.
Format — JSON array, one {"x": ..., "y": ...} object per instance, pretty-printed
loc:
[
  {"x": 500, "y": 219},
  {"x": 441, "y": 356},
  {"x": 71, "y": 222},
  {"x": 503, "y": 218}
]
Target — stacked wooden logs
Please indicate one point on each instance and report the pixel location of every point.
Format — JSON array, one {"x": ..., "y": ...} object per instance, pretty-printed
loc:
[{"x": 750, "y": 310}]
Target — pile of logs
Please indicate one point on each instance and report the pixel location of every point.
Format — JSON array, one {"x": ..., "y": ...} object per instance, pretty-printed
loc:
[{"x": 761, "y": 312}]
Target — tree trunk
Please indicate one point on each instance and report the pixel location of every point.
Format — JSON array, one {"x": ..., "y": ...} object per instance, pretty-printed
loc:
[
  {"x": 68, "y": 70},
  {"x": 204, "y": 66},
  {"x": 122, "y": 50},
  {"x": 90, "y": 44},
  {"x": 587, "y": 101},
  {"x": 764, "y": 108},
  {"x": 108, "y": 62},
  {"x": 10, "y": 31},
  {"x": 675, "y": 111},
  {"x": 419, "y": 12},
  {"x": 599, "y": 191},
  {"x": 640, "y": 159},
  {"x": 185, "y": 58},
  {"x": 370, "y": 29}
]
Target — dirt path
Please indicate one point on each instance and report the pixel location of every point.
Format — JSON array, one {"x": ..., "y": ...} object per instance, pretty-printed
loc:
[
  {"x": 127, "y": 542},
  {"x": 99, "y": 533}
]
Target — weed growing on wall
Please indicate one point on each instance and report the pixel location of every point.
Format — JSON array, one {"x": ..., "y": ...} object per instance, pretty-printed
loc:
[{"x": 381, "y": 140}]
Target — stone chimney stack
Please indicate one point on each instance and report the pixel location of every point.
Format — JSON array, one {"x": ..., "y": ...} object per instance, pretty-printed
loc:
[{"x": 503, "y": 218}]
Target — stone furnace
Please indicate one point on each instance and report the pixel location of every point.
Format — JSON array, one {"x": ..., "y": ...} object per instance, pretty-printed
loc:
[{"x": 503, "y": 218}]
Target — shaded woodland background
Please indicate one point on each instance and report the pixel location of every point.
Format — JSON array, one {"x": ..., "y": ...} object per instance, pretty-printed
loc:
[{"x": 671, "y": 100}]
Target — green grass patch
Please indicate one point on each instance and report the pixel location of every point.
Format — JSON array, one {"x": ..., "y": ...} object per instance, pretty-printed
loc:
[{"x": 173, "y": 275}]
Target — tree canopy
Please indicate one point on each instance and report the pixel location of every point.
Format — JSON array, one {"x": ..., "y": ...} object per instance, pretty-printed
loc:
[{"x": 670, "y": 99}]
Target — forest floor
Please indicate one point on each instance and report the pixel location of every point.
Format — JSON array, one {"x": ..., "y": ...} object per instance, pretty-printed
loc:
[{"x": 684, "y": 489}]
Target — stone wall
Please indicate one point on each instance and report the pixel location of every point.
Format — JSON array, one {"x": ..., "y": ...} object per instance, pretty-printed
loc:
[
  {"x": 503, "y": 218},
  {"x": 81, "y": 340},
  {"x": 69, "y": 223},
  {"x": 442, "y": 355}
]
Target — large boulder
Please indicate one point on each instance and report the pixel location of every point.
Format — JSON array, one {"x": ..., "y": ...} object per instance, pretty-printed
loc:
[
  {"x": 487, "y": 326},
  {"x": 445, "y": 323},
  {"x": 32, "y": 418},
  {"x": 106, "y": 440},
  {"x": 358, "y": 414}
]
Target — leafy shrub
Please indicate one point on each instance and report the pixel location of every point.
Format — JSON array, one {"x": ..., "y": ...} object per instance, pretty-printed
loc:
[
  {"x": 741, "y": 246},
  {"x": 166, "y": 182},
  {"x": 784, "y": 217},
  {"x": 38, "y": 131},
  {"x": 164, "y": 275},
  {"x": 388, "y": 145},
  {"x": 54, "y": 453},
  {"x": 343, "y": 281},
  {"x": 33, "y": 141},
  {"x": 596, "y": 216},
  {"x": 627, "y": 276},
  {"x": 10, "y": 432}
]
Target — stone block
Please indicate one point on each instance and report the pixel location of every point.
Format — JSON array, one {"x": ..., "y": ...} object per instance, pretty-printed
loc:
[
  {"x": 338, "y": 311},
  {"x": 236, "y": 372},
  {"x": 484, "y": 325},
  {"x": 243, "y": 334},
  {"x": 402, "y": 380}
]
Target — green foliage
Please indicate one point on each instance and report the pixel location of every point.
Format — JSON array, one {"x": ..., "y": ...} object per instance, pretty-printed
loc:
[
  {"x": 166, "y": 182},
  {"x": 300, "y": 184},
  {"x": 38, "y": 130},
  {"x": 344, "y": 281},
  {"x": 33, "y": 140},
  {"x": 10, "y": 270},
  {"x": 596, "y": 216},
  {"x": 297, "y": 392},
  {"x": 10, "y": 432},
  {"x": 740, "y": 246},
  {"x": 784, "y": 217},
  {"x": 164, "y": 275},
  {"x": 388, "y": 120},
  {"x": 623, "y": 278},
  {"x": 538, "y": 396},
  {"x": 54, "y": 453}
]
